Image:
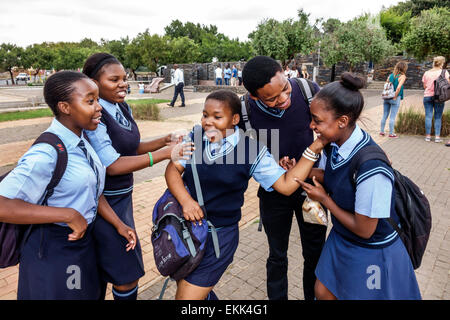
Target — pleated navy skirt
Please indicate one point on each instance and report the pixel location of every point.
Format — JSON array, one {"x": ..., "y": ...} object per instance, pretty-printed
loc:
[
  {"x": 54, "y": 268},
  {"x": 353, "y": 272},
  {"x": 116, "y": 265}
]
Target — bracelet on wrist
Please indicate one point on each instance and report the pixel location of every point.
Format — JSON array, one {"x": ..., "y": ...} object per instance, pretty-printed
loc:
[{"x": 151, "y": 159}]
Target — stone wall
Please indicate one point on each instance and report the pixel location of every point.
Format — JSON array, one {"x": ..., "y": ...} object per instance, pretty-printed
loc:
[
  {"x": 413, "y": 74},
  {"x": 210, "y": 88},
  {"x": 195, "y": 74}
]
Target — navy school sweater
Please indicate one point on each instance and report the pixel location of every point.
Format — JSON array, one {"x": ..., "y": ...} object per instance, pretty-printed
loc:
[
  {"x": 338, "y": 182},
  {"x": 224, "y": 179},
  {"x": 126, "y": 142}
]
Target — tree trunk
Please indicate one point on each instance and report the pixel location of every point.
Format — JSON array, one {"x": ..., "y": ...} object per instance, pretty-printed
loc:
[
  {"x": 333, "y": 73},
  {"x": 12, "y": 77}
]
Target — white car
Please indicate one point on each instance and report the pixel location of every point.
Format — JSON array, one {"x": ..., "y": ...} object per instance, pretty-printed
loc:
[{"x": 22, "y": 77}]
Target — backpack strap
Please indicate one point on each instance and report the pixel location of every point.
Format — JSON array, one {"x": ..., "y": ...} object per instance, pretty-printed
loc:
[
  {"x": 245, "y": 111},
  {"x": 307, "y": 89},
  {"x": 373, "y": 152},
  {"x": 61, "y": 162},
  {"x": 198, "y": 188}
]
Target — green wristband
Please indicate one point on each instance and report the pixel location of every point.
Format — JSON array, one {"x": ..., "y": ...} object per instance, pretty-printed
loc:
[{"x": 151, "y": 159}]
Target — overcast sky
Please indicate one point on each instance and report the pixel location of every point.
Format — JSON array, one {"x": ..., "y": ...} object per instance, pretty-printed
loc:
[{"x": 24, "y": 22}]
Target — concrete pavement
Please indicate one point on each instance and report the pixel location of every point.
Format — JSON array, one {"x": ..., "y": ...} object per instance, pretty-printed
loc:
[{"x": 426, "y": 163}]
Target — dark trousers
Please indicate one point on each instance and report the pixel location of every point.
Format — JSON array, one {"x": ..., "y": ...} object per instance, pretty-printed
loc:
[
  {"x": 178, "y": 90},
  {"x": 277, "y": 212}
]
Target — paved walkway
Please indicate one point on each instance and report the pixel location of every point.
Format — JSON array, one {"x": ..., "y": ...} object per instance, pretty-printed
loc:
[{"x": 428, "y": 164}]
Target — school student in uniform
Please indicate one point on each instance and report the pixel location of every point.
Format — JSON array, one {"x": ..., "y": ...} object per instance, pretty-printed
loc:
[
  {"x": 228, "y": 159},
  {"x": 118, "y": 144},
  {"x": 60, "y": 244},
  {"x": 363, "y": 257}
]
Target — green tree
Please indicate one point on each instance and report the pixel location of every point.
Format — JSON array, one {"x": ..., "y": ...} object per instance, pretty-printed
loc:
[
  {"x": 359, "y": 40},
  {"x": 10, "y": 57},
  {"x": 284, "y": 40},
  {"x": 395, "y": 24},
  {"x": 70, "y": 56},
  {"x": 182, "y": 50},
  {"x": 39, "y": 57},
  {"x": 429, "y": 34},
  {"x": 117, "y": 48}
]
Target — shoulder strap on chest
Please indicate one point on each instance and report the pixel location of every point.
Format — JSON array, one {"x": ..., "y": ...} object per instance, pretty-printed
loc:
[
  {"x": 370, "y": 152},
  {"x": 307, "y": 89},
  {"x": 61, "y": 162}
]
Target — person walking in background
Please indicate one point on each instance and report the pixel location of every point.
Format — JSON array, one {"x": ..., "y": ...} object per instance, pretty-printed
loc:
[
  {"x": 304, "y": 72},
  {"x": 178, "y": 80},
  {"x": 428, "y": 99},
  {"x": 218, "y": 73},
  {"x": 294, "y": 72},
  {"x": 397, "y": 78},
  {"x": 287, "y": 71},
  {"x": 240, "y": 76},
  {"x": 227, "y": 75},
  {"x": 234, "y": 76}
]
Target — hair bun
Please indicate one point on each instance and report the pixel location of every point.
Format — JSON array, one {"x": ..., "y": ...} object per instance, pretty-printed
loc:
[{"x": 352, "y": 81}]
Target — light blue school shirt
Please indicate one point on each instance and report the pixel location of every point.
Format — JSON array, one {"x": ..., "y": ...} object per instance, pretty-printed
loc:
[
  {"x": 78, "y": 186},
  {"x": 266, "y": 172},
  {"x": 100, "y": 139},
  {"x": 373, "y": 195}
]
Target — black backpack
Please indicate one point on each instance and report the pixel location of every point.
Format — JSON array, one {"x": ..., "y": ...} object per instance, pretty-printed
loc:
[
  {"x": 411, "y": 205},
  {"x": 13, "y": 236},
  {"x": 441, "y": 88}
]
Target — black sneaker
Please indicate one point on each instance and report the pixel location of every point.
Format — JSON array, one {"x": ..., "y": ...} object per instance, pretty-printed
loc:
[
  {"x": 183, "y": 105},
  {"x": 170, "y": 105}
]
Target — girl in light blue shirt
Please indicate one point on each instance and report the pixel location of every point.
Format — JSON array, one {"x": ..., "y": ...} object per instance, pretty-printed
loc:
[{"x": 58, "y": 258}]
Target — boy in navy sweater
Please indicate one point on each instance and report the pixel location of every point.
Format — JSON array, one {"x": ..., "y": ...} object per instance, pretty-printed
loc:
[
  {"x": 276, "y": 104},
  {"x": 230, "y": 159}
]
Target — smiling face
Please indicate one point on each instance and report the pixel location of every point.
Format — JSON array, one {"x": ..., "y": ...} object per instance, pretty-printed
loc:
[
  {"x": 83, "y": 111},
  {"x": 218, "y": 121},
  {"x": 325, "y": 123},
  {"x": 276, "y": 93},
  {"x": 112, "y": 83}
]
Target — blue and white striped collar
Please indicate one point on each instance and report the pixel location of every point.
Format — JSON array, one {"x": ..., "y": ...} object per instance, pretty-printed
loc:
[
  {"x": 218, "y": 149},
  {"x": 348, "y": 146}
]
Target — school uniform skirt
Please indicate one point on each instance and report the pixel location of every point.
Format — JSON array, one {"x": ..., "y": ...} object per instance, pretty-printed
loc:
[
  {"x": 54, "y": 268},
  {"x": 353, "y": 272},
  {"x": 211, "y": 269},
  {"x": 116, "y": 265}
]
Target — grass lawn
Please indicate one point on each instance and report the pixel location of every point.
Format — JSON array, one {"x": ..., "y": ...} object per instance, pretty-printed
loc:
[{"x": 39, "y": 113}]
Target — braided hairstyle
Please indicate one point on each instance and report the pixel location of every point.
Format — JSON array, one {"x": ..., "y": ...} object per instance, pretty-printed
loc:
[{"x": 59, "y": 87}]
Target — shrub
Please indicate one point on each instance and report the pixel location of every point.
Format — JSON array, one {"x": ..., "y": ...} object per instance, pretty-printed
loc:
[
  {"x": 412, "y": 121},
  {"x": 144, "y": 111}
]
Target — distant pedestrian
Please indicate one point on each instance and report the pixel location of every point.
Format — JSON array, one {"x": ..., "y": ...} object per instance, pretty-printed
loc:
[
  {"x": 178, "y": 80},
  {"x": 397, "y": 78},
  {"x": 287, "y": 71},
  {"x": 234, "y": 76},
  {"x": 428, "y": 99},
  {"x": 240, "y": 76},
  {"x": 304, "y": 72},
  {"x": 141, "y": 88},
  {"x": 227, "y": 75},
  {"x": 363, "y": 257},
  {"x": 218, "y": 73}
]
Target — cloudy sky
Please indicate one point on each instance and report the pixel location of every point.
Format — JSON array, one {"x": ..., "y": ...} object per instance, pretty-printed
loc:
[{"x": 24, "y": 22}]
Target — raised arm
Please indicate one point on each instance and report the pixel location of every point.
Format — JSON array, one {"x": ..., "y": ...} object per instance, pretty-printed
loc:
[{"x": 286, "y": 184}]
